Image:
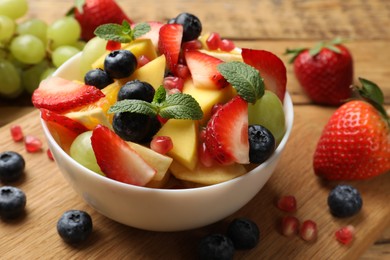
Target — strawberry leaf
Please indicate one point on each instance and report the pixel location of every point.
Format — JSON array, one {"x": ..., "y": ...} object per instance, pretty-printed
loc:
[{"x": 244, "y": 78}]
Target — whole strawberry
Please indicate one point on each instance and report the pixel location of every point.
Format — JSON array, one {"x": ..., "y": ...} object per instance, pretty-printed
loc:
[
  {"x": 355, "y": 143},
  {"x": 325, "y": 72},
  {"x": 92, "y": 13}
]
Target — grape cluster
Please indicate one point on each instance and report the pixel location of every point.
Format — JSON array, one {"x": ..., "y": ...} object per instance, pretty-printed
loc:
[{"x": 31, "y": 49}]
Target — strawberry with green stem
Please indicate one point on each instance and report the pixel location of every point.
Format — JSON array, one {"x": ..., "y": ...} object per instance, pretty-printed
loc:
[
  {"x": 325, "y": 72},
  {"x": 355, "y": 143}
]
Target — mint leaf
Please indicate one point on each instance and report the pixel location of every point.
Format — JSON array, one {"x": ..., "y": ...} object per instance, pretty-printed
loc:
[
  {"x": 181, "y": 106},
  {"x": 244, "y": 78},
  {"x": 121, "y": 33},
  {"x": 160, "y": 95},
  {"x": 134, "y": 106}
]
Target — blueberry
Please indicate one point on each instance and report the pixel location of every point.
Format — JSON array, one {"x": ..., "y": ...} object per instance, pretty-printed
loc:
[
  {"x": 12, "y": 202},
  {"x": 136, "y": 89},
  {"x": 261, "y": 143},
  {"x": 12, "y": 166},
  {"x": 192, "y": 27},
  {"x": 135, "y": 127},
  {"x": 344, "y": 201},
  {"x": 120, "y": 64},
  {"x": 98, "y": 78},
  {"x": 244, "y": 233},
  {"x": 216, "y": 247},
  {"x": 74, "y": 226}
]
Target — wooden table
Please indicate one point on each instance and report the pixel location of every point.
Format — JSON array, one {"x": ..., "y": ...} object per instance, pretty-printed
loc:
[{"x": 271, "y": 25}]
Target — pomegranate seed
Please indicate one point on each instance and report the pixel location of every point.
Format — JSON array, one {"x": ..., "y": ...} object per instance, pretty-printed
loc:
[
  {"x": 161, "y": 120},
  {"x": 213, "y": 41},
  {"x": 205, "y": 156},
  {"x": 308, "y": 231},
  {"x": 182, "y": 71},
  {"x": 33, "y": 144},
  {"x": 345, "y": 234},
  {"x": 142, "y": 60},
  {"x": 226, "y": 45},
  {"x": 290, "y": 226},
  {"x": 113, "y": 45},
  {"x": 49, "y": 154},
  {"x": 192, "y": 45},
  {"x": 17, "y": 133},
  {"x": 172, "y": 82},
  {"x": 161, "y": 144},
  {"x": 287, "y": 204}
]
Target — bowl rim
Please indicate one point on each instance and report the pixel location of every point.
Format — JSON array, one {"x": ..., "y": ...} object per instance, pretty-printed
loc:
[{"x": 289, "y": 119}]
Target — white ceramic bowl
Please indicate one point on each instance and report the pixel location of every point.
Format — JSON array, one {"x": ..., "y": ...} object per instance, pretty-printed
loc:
[{"x": 162, "y": 209}]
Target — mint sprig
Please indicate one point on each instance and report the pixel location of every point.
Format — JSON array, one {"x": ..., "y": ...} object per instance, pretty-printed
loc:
[
  {"x": 121, "y": 33},
  {"x": 244, "y": 78},
  {"x": 177, "y": 106}
]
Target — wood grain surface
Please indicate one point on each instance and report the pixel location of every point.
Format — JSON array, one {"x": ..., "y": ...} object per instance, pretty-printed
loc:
[{"x": 272, "y": 25}]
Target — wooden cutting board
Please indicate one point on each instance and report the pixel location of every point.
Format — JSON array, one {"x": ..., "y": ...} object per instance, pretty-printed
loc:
[{"x": 48, "y": 195}]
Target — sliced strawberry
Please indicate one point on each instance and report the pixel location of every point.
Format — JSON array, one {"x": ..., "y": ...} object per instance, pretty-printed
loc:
[
  {"x": 169, "y": 43},
  {"x": 59, "y": 95},
  {"x": 203, "y": 68},
  {"x": 227, "y": 133},
  {"x": 118, "y": 160},
  {"x": 271, "y": 69},
  {"x": 154, "y": 33}
]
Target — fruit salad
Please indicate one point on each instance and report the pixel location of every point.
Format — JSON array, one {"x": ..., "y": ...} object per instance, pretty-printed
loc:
[{"x": 164, "y": 105}]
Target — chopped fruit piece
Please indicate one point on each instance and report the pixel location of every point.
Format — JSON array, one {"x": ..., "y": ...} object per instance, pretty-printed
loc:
[
  {"x": 225, "y": 56},
  {"x": 169, "y": 44},
  {"x": 287, "y": 203},
  {"x": 182, "y": 71},
  {"x": 113, "y": 45},
  {"x": 17, "y": 133},
  {"x": 59, "y": 95},
  {"x": 290, "y": 226},
  {"x": 271, "y": 69},
  {"x": 62, "y": 120},
  {"x": 227, "y": 133},
  {"x": 90, "y": 118},
  {"x": 161, "y": 144},
  {"x": 118, "y": 160},
  {"x": 226, "y": 45},
  {"x": 192, "y": 45},
  {"x": 204, "y": 72},
  {"x": 308, "y": 231},
  {"x": 345, "y": 234},
  {"x": 172, "y": 82},
  {"x": 213, "y": 41},
  {"x": 32, "y": 143},
  {"x": 153, "y": 34}
]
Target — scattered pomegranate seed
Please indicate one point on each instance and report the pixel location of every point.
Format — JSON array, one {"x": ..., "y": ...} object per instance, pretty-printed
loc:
[
  {"x": 290, "y": 226},
  {"x": 33, "y": 144},
  {"x": 113, "y": 45},
  {"x": 49, "y": 154},
  {"x": 182, "y": 71},
  {"x": 161, "y": 144},
  {"x": 205, "y": 156},
  {"x": 172, "y": 82},
  {"x": 308, "y": 231},
  {"x": 142, "y": 60},
  {"x": 213, "y": 41},
  {"x": 227, "y": 45},
  {"x": 192, "y": 45},
  {"x": 287, "y": 203},
  {"x": 17, "y": 133},
  {"x": 345, "y": 234}
]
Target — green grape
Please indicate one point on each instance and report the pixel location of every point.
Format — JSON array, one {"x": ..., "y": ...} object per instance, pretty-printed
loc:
[
  {"x": 7, "y": 28},
  {"x": 31, "y": 77},
  {"x": 268, "y": 112},
  {"x": 28, "y": 49},
  {"x": 79, "y": 45},
  {"x": 93, "y": 50},
  {"x": 14, "y": 9},
  {"x": 47, "y": 73},
  {"x": 64, "y": 31},
  {"x": 10, "y": 85},
  {"x": 34, "y": 27},
  {"x": 81, "y": 151},
  {"x": 62, "y": 54}
]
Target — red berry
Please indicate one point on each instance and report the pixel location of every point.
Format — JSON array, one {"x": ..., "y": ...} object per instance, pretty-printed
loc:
[
  {"x": 32, "y": 143},
  {"x": 287, "y": 203},
  {"x": 17, "y": 133},
  {"x": 113, "y": 45},
  {"x": 308, "y": 231},
  {"x": 213, "y": 41},
  {"x": 182, "y": 71},
  {"x": 142, "y": 60},
  {"x": 226, "y": 45},
  {"x": 172, "y": 82},
  {"x": 345, "y": 234},
  {"x": 290, "y": 226},
  {"x": 161, "y": 144}
]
